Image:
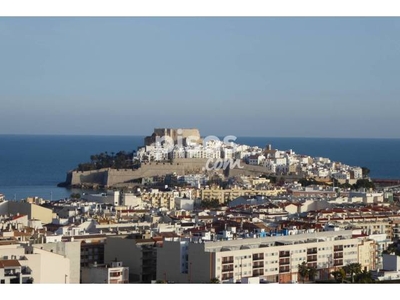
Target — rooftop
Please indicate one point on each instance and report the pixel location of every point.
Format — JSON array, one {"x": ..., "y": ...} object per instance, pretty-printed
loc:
[
  {"x": 7, "y": 263},
  {"x": 283, "y": 240}
]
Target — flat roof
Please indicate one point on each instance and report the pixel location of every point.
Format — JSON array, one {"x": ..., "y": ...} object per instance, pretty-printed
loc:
[{"x": 256, "y": 242}]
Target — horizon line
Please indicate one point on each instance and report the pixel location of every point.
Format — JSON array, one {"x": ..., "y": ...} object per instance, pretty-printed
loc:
[{"x": 238, "y": 136}]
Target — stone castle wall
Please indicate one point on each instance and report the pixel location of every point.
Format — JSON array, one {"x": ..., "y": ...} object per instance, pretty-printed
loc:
[{"x": 110, "y": 177}]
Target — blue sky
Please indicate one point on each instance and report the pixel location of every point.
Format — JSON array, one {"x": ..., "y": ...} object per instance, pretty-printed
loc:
[{"x": 289, "y": 77}]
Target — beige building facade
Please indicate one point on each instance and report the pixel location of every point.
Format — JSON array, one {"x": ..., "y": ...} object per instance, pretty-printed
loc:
[
  {"x": 274, "y": 259},
  {"x": 223, "y": 196}
]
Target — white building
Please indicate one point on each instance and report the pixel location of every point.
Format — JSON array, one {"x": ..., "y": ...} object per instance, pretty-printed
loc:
[
  {"x": 274, "y": 259},
  {"x": 228, "y": 153},
  {"x": 184, "y": 203},
  {"x": 357, "y": 172},
  {"x": 20, "y": 264}
]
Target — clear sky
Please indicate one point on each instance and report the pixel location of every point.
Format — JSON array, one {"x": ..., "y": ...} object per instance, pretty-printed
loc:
[{"x": 289, "y": 77}]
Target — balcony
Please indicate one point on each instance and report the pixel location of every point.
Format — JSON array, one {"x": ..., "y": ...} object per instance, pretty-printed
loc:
[
  {"x": 227, "y": 276},
  {"x": 312, "y": 265},
  {"x": 338, "y": 255},
  {"x": 258, "y": 273},
  {"x": 258, "y": 265},
  {"x": 115, "y": 274},
  {"x": 258, "y": 257},
  {"x": 227, "y": 261},
  {"x": 285, "y": 261},
  {"x": 284, "y": 253},
  {"x": 312, "y": 251},
  {"x": 284, "y": 269},
  {"x": 10, "y": 273},
  {"x": 311, "y": 258},
  {"x": 338, "y": 263},
  {"x": 26, "y": 271},
  {"x": 227, "y": 269},
  {"x": 116, "y": 281},
  {"x": 338, "y": 248}
]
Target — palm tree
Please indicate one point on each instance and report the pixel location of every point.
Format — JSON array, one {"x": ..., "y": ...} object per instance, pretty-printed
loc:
[
  {"x": 312, "y": 271},
  {"x": 303, "y": 270},
  {"x": 352, "y": 269},
  {"x": 364, "y": 277}
]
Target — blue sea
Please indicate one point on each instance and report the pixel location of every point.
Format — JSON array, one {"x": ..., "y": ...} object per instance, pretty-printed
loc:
[{"x": 33, "y": 165}]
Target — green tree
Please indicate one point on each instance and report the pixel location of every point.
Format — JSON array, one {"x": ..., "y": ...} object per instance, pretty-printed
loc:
[
  {"x": 303, "y": 270},
  {"x": 364, "y": 277},
  {"x": 339, "y": 275},
  {"x": 75, "y": 196},
  {"x": 364, "y": 183},
  {"x": 352, "y": 269},
  {"x": 214, "y": 280},
  {"x": 312, "y": 271}
]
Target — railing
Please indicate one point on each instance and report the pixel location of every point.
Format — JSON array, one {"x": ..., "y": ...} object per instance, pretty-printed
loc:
[
  {"x": 116, "y": 281},
  {"x": 258, "y": 273},
  {"x": 338, "y": 248},
  {"x": 8, "y": 273},
  {"x": 115, "y": 274},
  {"x": 227, "y": 269},
  {"x": 338, "y": 263},
  {"x": 312, "y": 258},
  {"x": 284, "y": 262},
  {"x": 227, "y": 261},
  {"x": 338, "y": 255},
  {"x": 258, "y": 257},
  {"x": 284, "y": 254},
  {"x": 258, "y": 265},
  {"x": 227, "y": 276},
  {"x": 312, "y": 265},
  {"x": 312, "y": 251},
  {"x": 284, "y": 269}
]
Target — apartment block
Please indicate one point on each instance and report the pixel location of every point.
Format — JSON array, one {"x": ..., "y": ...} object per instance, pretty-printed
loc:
[
  {"x": 226, "y": 195},
  {"x": 274, "y": 259}
]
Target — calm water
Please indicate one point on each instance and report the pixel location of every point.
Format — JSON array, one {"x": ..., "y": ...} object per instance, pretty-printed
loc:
[{"x": 33, "y": 165}]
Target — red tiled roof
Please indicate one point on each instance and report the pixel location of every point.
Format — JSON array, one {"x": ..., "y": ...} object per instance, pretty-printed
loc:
[
  {"x": 17, "y": 217},
  {"x": 9, "y": 263}
]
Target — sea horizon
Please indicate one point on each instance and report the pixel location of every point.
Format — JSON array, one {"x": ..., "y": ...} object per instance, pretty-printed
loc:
[
  {"x": 33, "y": 164},
  {"x": 219, "y": 136}
]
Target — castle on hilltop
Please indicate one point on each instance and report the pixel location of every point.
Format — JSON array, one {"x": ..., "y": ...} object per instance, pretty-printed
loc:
[{"x": 173, "y": 133}]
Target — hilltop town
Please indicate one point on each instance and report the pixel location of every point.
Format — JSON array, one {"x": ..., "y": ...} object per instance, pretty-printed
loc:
[
  {"x": 180, "y": 155},
  {"x": 179, "y": 215}
]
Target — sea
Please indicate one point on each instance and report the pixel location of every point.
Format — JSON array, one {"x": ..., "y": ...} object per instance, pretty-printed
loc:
[{"x": 33, "y": 165}]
